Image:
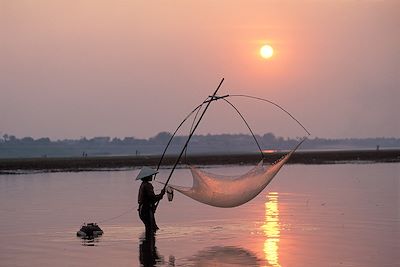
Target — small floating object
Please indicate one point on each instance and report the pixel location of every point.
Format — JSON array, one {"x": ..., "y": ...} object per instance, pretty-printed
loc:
[{"x": 89, "y": 230}]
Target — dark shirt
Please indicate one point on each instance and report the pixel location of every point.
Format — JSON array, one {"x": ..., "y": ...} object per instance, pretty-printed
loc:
[{"x": 147, "y": 197}]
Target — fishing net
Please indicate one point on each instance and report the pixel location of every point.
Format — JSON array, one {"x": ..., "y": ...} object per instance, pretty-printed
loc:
[
  {"x": 231, "y": 191},
  {"x": 221, "y": 190}
]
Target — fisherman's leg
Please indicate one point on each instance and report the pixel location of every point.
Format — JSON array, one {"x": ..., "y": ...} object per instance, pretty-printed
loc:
[
  {"x": 146, "y": 215},
  {"x": 153, "y": 222},
  {"x": 153, "y": 219},
  {"x": 148, "y": 229}
]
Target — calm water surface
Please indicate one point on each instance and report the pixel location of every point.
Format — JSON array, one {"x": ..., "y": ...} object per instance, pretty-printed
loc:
[{"x": 310, "y": 215}]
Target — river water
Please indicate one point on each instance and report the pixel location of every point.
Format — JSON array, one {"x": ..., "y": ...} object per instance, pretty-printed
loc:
[{"x": 310, "y": 215}]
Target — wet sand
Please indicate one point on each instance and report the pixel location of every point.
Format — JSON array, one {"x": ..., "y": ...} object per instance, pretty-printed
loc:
[{"x": 21, "y": 165}]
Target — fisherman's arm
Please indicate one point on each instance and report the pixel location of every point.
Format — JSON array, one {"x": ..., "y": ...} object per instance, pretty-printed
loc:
[
  {"x": 161, "y": 195},
  {"x": 154, "y": 198}
]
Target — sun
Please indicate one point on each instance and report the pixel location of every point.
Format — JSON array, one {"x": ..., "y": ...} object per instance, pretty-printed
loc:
[{"x": 266, "y": 51}]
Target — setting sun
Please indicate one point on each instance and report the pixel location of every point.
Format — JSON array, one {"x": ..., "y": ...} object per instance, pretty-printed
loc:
[{"x": 266, "y": 51}]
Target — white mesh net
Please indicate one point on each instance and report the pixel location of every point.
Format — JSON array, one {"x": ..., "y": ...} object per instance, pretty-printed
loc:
[{"x": 231, "y": 191}]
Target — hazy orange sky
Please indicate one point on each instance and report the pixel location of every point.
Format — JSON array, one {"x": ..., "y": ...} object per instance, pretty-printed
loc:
[{"x": 135, "y": 68}]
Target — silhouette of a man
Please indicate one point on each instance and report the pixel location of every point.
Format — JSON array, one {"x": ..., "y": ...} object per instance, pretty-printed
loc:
[{"x": 147, "y": 199}]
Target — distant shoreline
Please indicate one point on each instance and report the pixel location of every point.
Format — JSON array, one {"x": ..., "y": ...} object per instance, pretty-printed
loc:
[{"x": 106, "y": 163}]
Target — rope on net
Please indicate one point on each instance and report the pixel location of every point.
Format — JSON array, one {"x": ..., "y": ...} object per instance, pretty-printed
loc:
[{"x": 269, "y": 101}]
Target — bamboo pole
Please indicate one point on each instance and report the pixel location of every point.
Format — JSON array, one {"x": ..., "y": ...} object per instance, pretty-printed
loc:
[{"x": 212, "y": 97}]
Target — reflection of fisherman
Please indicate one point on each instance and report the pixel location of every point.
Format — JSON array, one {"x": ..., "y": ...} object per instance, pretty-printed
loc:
[
  {"x": 148, "y": 255},
  {"x": 147, "y": 199}
]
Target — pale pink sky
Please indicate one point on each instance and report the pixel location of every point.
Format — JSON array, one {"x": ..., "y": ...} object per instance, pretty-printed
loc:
[{"x": 135, "y": 68}]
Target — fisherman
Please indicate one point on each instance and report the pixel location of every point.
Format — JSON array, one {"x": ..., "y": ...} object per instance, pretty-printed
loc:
[{"x": 147, "y": 199}]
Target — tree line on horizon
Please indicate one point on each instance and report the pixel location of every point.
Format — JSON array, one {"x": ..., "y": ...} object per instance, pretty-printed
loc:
[{"x": 11, "y": 146}]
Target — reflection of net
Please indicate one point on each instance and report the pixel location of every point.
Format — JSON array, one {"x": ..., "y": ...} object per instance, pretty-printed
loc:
[{"x": 231, "y": 191}]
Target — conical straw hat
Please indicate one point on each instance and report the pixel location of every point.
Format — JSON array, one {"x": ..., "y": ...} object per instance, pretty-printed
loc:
[{"x": 146, "y": 172}]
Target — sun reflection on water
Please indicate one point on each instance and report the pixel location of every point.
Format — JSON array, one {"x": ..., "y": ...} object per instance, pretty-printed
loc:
[{"x": 271, "y": 229}]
